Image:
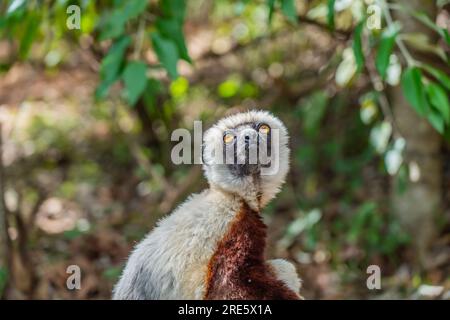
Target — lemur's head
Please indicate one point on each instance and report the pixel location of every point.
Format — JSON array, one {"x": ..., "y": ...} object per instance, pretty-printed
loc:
[{"x": 247, "y": 154}]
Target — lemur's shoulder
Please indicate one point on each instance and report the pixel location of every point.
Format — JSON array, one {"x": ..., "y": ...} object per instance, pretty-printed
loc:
[
  {"x": 201, "y": 208},
  {"x": 185, "y": 240},
  {"x": 176, "y": 251}
]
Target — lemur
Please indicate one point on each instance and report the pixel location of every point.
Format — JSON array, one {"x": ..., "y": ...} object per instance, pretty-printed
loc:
[{"x": 212, "y": 246}]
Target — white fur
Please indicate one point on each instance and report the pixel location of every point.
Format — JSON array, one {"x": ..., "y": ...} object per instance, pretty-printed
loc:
[
  {"x": 171, "y": 262},
  {"x": 286, "y": 272},
  {"x": 218, "y": 174}
]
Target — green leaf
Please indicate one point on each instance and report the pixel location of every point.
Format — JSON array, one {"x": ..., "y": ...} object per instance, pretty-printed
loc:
[
  {"x": 445, "y": 35},
  {"x": 423, "y": 17},
  {"x": 313, "y": 110},
  {"x": 271, "y": 6},
  {"x": 14, "y": 6},
  {"x": 110, "y": 66},
  {"x": 439, "y": 100},
  {"x": 385, "y": 49},
  {"x": 173, "y": 29},
  {"x": 112, "y": 61},
  {"x": 289, "y": 10},
  {"x": 229, "y": 88},
  {"x": 414, "y": 91},
  {"x": 174, "y": 8},
  {"x": 357, "y": 46},
  {"x": 113, "y": 25},
  {"x": 361, "y": 218},
  {"x": 179, "y": 87},
  {"x": 441, "y": 76},
  {"x": 330, "y": 15},
  {"x": 72, "y": 234},
  {"x": 436, "y": 121},
  {"x": 32, "y": 26},
  {"x": 150, "y": 94},
  {"x": 112, "y": 273},
  {"x": 441, "y": 3},
  {"x": 135, "y": 80},
  {"x": 134, "y": 8},
  {"x": 167, "y": 53},
  {"x": 114, "y": 22},
  {"x": 3, "y": 22},
  {"x": 3, "y": 279}
]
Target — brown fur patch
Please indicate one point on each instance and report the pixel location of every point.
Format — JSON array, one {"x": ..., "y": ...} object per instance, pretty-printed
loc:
[{"x": 237, "y": 270}]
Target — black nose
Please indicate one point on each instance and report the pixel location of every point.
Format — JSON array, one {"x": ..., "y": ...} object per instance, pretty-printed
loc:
[{"x": 247, "y": 142}]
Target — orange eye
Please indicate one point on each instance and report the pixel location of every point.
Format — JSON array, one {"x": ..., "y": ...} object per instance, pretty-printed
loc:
[
  {"x": 228, "y": 138},
  {"x": 264, "y": 128}
]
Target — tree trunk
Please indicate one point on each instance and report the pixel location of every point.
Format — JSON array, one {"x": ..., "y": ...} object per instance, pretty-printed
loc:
[{"x": 417, "y": 206}]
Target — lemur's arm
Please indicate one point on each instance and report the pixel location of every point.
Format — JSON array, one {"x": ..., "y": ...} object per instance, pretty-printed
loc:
[{"x": 285, "y": 271}]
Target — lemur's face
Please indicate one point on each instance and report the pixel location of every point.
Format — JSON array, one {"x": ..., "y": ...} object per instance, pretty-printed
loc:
[{"x": 247, "y": 151}]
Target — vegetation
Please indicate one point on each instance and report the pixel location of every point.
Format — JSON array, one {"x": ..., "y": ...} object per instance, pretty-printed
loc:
[{"x": 91, "y": 91}]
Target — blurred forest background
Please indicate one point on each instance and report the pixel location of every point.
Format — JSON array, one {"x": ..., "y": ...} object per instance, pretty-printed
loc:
[{"x": 90, "y": 92}]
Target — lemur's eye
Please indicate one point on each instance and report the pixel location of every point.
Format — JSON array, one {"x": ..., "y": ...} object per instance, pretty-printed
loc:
[
  {"x": 264, "y": 129},
  {"x": 228, "y": 138}
]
